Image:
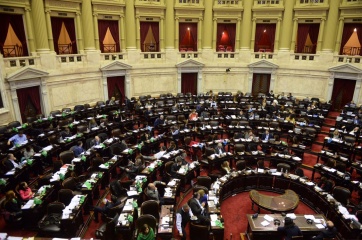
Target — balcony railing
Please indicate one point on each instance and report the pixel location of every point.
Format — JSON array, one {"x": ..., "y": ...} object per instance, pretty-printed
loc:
[
  {"x": 353, "y": 1},
  {"x": 152, "y": 55},
  {"x": 228, "y": 2},
  {"x": 65, "y": 49},
  {"x": 12, "y": 51},
  {"x": 311, "y": 1},
  {"x": 308, "y": 49},
  {"x": 304, "y": 57},
  {"x": 71, "y": 58},
  {"x": 113, "y": 56},
  {"x": 267, "y": 2},
  {"x": 189, "y": 54},
  {"x": 189, "y": 1},
  {"x": 21, "y": 62},
  {"x": 225, "y": 55},
  {"x": 348, "y": 59},
  {"x": 109, "y": 48},
  {"x": 351, "y": 51},
  {"x": 264, "y": 55},
  {"x": 149, "y": 2}
]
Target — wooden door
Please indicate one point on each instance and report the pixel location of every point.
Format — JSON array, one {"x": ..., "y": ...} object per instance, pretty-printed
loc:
[
  {"x": 261, "y": 84},
  {"x": 189, "y": 83},
  {"x": 342, "y": 94}
]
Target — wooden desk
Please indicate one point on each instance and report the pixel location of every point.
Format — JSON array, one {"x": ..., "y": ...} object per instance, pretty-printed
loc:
[
  {"x": 282, "y": 203},
  {"x": 256, "y": 231},
  {"x": 165, "y": 225}
]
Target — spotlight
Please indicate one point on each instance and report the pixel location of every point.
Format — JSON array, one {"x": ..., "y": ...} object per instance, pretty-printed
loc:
[{"x": 227, "y": 70}]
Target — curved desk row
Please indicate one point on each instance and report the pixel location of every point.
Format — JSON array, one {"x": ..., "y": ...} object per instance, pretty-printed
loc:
[{"x": 237, "y": 183}]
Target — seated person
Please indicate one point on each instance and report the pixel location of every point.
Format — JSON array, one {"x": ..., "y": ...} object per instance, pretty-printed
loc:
[
  {"x": 28, "y": 152},
  {"x": 10, "y": 162},
  {"x": 225, "y": 167},
  {"x": 19, "y": 138},
  {"x": 103, "y": 210},
  {"x": 146, "y": 233},
  {"x": 25, "y": 191},
  {"x": 92, "y": 123},
  {"x": 112, "y": 101},
  {"x": 172, "y": 147},
  {"x": 336, "y": 134},
  {"x": 198, "y": 209},
  {"x": 329, "y": 232},
  {"x": 152, "y": 191},
  {"x": 175, "y": 133},
  {"x": 290, "y": 229},
  {"x": 219, "y": 149},
  {"x": 159, "y": 121},
  {"x": 78, "y": 149},
  {"x": 65, "y": 133},
  {"x": 134, "y": 167},
  {"x": 291, "y": 119},
  {"x": 266, "y": 136},
  {"x": 96, "y": 141},
  {"x": 203, "y": 197},
  {"x": 325, "y": 184},
  {"x": 175, "y": 167},
  {"x": 12, "y": 205},
  {"x": 193, "y": 115}
]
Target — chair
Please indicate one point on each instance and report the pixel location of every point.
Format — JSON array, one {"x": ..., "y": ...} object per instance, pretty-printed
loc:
[
  {"x": 100, "y": 103},
  {"x": 57, "y": 164},
  {"x": 196, "y": 188},
  {"x": 78, "y": 108},
  {"x": 107, "y": 230},
  {"x": 66, "y": 156},
  {"x": 14, "y": 124},
  {"x": 167, "y": 174},
  {"x": 299, "y": 172},
  {"x": 260, "y": 164},
  {"x": 240, "y": 165},
  {"x": 103, "y": 136},
  {"x": 117, "y": 191},
  {"x": 66, "y": 110},
  {"x": 30, "y": 119},
  {"x": 200, "y": 232},
  {"x": 151, "y": 207},
  {"x": 116, "y": 132},
  {"x": 146, "y": 219},
  {"x": 65, "y": 196},
  {"x": 297, "y": 237},
  {"x": 342, "y": 195},
  {"x": 283, "y": 167},
  {"x": 204, "y": 181},
  {"x": 82, "y": 129},
  {"x": 70, "y": 183},
  {"x": 350, "y": 140},
  {"x": 359, "y": 215},
  {"x": 54, "y": 113},
  {"x": 50, "y": 224}
]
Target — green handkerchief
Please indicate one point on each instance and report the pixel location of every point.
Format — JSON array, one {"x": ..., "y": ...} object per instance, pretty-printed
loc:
[
  {"x": 40, "y": 120},
  {"x": 159, "y": 163},
  {"x": 79, "y": 135},
  {"x": 104, "y": 116},
  {"x": 151, "y": 169},
  {"x": 144, "y": 179},
  {"x": 25, "y": 125},
  {"x": 17, "y": 145},
  {"x": 63, "y": 114},
  {"x": 15, "y": 129},
  {"x": 44, "y": 153},
  {"x": 100, "y": 175},
  {"x": 130, "y": 151},
  {"x": 2, "y": 181},
  {"x": 219, "y": 224},
  {"x": 68, "y": 140},
  {"x": 152, "y": 139},
  {"x": 71, "y": 125},
  {"x": 106, "y": 164},
  {"x": 130, "y": 218},
  {"x": 139, "y": 146},
  {"x": 43, "y": 192},
  {"x": 61, "y": 176},
  {"x": 134, "y": 204},
  {"x": 88, "y": 184},
  {"x": 83, "y": 158},
  {"x": 139, "y": 189},
  {"x": 50, "y": 118},
  {"x": 102, "y": 145},
  {"x": 29, "y": 161},
  {"x": 82, "y": 198},
  {"x": 37, "y": 201}
]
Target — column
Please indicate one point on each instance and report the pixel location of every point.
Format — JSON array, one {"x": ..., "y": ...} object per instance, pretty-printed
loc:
[
  {"x": 87, "y": 23},
  {"x": 121, "y": 28},
  {"x": 339, "y": 35},
  {"x": 199, "y": 33},
  {"x": 285, "y": 38},
  {"x": 214, "y": 35},
  {"x": 169, "y": 21},
  {"x": 41, "y": 37},
  {"x": 331, "y": 30},
  {"x": 206, "y": 37},
  {"x": 79, "y": 32},
  {"x": 29, "y": 30},
  {"x": 49, "y": 29},
  {"x": 294, "y": 34},
  {"x": 96, "y": 33},
  {"x": 138, "y": 34},
  {"x": 237, "y": 35},
  {"x": 131, "y": 25},
  {"x": 162, "y": 34},
  {"x": 177, "y": 34},
  {"x": 277, "y": 31},
  {"x": 320, "y": 35},
  {"x": 246, "y": 26},
  {"x": 252, "y": 42}
]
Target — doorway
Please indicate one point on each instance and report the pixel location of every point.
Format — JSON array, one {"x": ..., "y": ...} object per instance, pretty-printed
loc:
[
  {"x": 189, "y": 83},
  {"x": 29, "y": 102},
  {"x": 261, "y": 83},
  {"x": 342, "y": 93},
  {"x": 116, "y": 88}
]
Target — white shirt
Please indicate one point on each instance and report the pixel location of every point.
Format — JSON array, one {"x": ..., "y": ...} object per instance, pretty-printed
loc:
[
  {"x": 179, "y": 220},
  {"x": 159, "y": 154},
  {"x": 14, "y": 163}
]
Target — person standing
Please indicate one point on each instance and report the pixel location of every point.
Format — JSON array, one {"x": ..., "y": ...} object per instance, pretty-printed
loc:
[{"x": 183, "y": 217}]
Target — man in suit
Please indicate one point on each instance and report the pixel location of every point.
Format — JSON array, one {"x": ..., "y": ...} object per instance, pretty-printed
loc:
[
  {"x": 329, "y": 232},
  {"x": 183, "y": 217},
  {"x": 219, "y": 149},
  {"x": 159, "y": 121},
  {"x": 175, "y": 167},
  {"x": 78, "y": 149},
  {"x": 265, "y": 137},
  {"x": 96, "y": 141},
  {"x": 10, "y": 162},
  {"x": 199, "y": 209}
]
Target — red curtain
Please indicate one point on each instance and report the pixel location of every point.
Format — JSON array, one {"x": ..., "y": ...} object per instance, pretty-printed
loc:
[
  {"x": 313, "y": 34},
  {"x": 228, "y": 38},
  {"x": 69, "y": 25},
  {"x": 344, "y": 87},
  {"x": 115, "y": 82},
  {"x": 303, "y": 30},
  {"x": 189, "y": 83},
  {"x": 347, "y": 32},
  {"x": 103, "y": 25},
  {"x": 56, "y": 28},
  {"x": 264, "y": 33},
  {"x": 25, "y": 95},
  {"x": 144, "y": 26},
  {"x": 156, "y": 34},
  {"x": 188, "y": 38},
  {"x": 17, "y": 23}
]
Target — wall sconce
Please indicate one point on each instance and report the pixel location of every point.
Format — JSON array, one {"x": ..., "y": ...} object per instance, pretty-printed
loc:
[
  {"x": 349, "y": 60},
  {"x": 188, "y": 55},
  {"x": 227, "y": 70},
  {"x": 114, "y": 57},
  {"x": 263, "y": 56}
]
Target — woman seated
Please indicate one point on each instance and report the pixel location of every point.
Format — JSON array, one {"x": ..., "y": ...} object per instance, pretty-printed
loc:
[
  {"x": 225, "y": 167},
  {"x": 25, "y": 191},
  {"x": 146, "y": 233},
  {"x": 112, "y": 101},
  {"x": 28, "y": 152},
  {"x": 203, "y": 196},
  {"x": 193, "y": 115},
  {"x": 172, "y": 147},
  {"x": 12, "y": 205},
  {"x": 92, "y": 123},
  {"x": 291, "y": 119},
  {"x": 336, "y": 134}
]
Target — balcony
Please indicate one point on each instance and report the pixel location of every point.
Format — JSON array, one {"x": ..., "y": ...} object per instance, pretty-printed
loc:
[
  {"x": 264, "y": 55},
  {"x": 348, "y": 59},
  {"x": 113, "y": 56},
  {"x": 268, "y": 2},
  {"x": 301, "y": 57},
  {"x": 225, "y": 55},
  {"x": 12, "y": 51},
  {"x": 16, "y": 62},
  {"x": 149, "y": 3},
  {"x": 70, "y": 59},
  {"x": 153, "y": 55},
  {"x": 189, "y": 3},
  {"x": 193, "y": 55}
]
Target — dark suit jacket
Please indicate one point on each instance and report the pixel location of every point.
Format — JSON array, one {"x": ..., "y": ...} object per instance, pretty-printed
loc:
[
  {"x": 195, "y": 207},
  {"x": 217, "y": 150},
  {"x": 264, "y": 136},
  {"x": 290, "y": 232},
  {"x": 8, "y": 165},
  {"x": 158, "y": 121},
  {"x": 174, "y": 169},
  {"x": 327, "y": 233}
]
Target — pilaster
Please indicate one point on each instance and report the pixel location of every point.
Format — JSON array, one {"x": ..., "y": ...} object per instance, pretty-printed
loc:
[
  {"x": 29, "y": 30},
  {"x": 246, "y": 26},
  {"x": 169, "y": 25},
  {"x": 131, "y": 26},
  {"x": 88, "y": 28},
  {"x": 207, "y": 28},
  {"x": 41, "y": 37},
  {"x": 330, "y": 31},
  {"x": 285, "y": 37}
]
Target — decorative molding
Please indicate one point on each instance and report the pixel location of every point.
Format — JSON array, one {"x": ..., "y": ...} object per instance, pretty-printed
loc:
[
  {"x": 263, "y": 64},
  {"x": 346, "y": 68},
  {"x": 190, "y": 63},
  {"x": 26, "y": 73}
]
